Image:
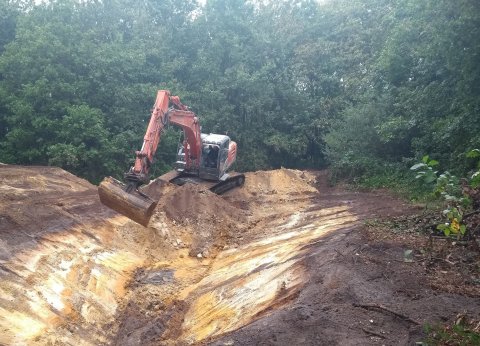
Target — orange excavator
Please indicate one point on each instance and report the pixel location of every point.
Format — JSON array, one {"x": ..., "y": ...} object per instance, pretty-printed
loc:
[{"x": 202, "y": 159}]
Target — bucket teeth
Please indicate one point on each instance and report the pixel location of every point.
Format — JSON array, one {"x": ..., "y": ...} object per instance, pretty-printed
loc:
[{"x": 134, "y": 205}]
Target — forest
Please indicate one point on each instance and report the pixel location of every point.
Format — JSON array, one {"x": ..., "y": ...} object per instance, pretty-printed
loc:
[{"x": 365, "y": 87}]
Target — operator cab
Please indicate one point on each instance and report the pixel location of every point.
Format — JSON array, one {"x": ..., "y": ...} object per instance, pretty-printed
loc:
[
  {"x": 214, "y": 157},
  {"x": 214, "y": 154}
]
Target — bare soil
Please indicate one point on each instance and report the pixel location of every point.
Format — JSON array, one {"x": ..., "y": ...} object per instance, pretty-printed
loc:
[{"x": 285, "y": 260}]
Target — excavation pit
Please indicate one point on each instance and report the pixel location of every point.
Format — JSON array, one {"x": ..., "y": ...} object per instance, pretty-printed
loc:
[{"x": 279, "y": 255}]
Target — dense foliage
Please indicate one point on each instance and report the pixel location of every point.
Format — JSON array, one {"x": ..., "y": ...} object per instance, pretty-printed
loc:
[
  {"x": 364, "y": 85},
  {"x": 457, "y": 195}
]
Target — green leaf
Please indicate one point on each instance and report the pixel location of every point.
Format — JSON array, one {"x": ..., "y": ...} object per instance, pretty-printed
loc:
[
  {"x": 441, "y": 227},
  {"x": 417, "y": 166},
  {"x": 473, "y": 153},
  {"x": 475, "y": 180},
  {"x": 425, "y": 159},
  {"x": 433, "y": 163},
  {"x": 450, "y": 198},
  {"x": 407, "y": 256},
  {"x": 463, "y": 229}
]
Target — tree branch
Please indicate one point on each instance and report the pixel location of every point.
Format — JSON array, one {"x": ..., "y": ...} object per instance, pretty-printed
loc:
[{"x": 381, "y": 307}]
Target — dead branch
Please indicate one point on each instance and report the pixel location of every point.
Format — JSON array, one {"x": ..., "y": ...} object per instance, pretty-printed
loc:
[
  {"x": 381, "y": 307},
  {"x": 471, "y": 213},
  {"x": 371, "y": 333}
]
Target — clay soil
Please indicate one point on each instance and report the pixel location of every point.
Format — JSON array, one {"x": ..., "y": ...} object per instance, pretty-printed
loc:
[{"x": 284, "y": 260}]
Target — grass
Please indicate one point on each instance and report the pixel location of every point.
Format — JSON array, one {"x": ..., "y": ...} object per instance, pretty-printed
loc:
[
  {"x": 460, "y": 333},
  {"x": 401, "y": 183}
]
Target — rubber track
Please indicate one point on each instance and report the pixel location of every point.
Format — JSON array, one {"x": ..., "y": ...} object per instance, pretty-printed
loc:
[
  {"x": 230, "y": 183},
  {"x": 218, "y": 188}
]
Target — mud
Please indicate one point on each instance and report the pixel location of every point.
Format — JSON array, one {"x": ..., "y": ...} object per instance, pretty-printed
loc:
[{"x": 283, "y": 260}]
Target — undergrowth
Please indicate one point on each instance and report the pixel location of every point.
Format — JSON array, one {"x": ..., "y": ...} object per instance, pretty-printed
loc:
[
  {"x": 463, "y": 332},
  {"x": 395, "y": 178}
]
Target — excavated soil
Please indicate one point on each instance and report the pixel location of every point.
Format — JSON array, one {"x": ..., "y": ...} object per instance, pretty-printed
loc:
[{"x": 284, "y": 260}]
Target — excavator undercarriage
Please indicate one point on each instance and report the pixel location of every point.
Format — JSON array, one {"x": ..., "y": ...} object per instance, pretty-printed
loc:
[{"x": 229, "y": 182}]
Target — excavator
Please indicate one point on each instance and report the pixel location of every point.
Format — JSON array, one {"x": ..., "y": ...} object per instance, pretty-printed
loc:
[{"x": 202, "y": 159}]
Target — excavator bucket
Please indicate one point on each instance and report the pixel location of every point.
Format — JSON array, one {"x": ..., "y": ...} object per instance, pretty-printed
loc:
[{"x": 134, "y": 205}]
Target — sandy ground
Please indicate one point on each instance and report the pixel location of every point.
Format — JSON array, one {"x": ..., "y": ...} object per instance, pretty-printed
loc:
[{"x": 285, "y": 260}]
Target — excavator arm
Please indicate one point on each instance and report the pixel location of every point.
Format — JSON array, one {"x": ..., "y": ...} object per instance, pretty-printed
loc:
[
  {"x": 167, "y": 109},
  {"x": 126, "y": 198}
]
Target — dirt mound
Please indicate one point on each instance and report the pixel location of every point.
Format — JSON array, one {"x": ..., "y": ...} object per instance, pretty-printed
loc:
[
  {"x": 219, "y": 221},
  {"x": 196, "y": 218},
  {"x": 195, "y": 203},
  {"x": 260, "y": 185},
  {"x": 283, "y": 180}
]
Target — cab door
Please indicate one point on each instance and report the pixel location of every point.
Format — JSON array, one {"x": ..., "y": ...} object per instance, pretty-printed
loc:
[
  {"x": 209, "y": 170},
  {"x": 222, "y": 159}
]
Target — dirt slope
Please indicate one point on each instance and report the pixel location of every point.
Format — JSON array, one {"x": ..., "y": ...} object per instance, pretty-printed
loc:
[
  {"x": 282, "y": 261},
  {"x": 65, "y": 259}
]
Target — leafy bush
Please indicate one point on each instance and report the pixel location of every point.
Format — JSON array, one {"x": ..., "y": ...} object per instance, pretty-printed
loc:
[{"x": 450, "y": 190}]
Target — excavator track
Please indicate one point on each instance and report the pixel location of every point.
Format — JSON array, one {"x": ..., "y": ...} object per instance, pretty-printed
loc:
[
  {"x": 218, "y": 187},
  {"x": 228, "y": 184}
]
